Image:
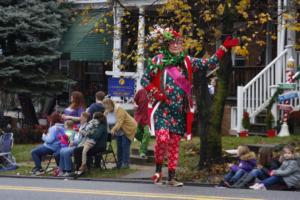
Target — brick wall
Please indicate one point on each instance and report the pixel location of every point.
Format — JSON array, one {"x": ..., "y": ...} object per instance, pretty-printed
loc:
[{"x": 226, "y": 120}]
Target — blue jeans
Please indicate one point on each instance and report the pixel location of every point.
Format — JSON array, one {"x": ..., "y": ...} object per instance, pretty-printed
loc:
[
  {"x": 232, "y": 177},
  {"x": 273, "y": 180},
  {"x": 40, "y": 151},
  {"x": 123, "y": 145},
  {"x": 258, "y": 173},
  {"x": 65, "y": 161}
]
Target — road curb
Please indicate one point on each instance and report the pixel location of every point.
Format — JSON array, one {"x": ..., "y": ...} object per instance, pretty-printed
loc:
[{"x": 122, "y": 180}]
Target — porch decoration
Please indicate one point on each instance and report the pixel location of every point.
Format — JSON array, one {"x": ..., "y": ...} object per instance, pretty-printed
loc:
[
  {"x": 289, "y": 94},
  {"x": 246, "y": 125}
]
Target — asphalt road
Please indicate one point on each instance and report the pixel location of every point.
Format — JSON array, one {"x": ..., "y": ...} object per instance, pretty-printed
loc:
[{"x": 49, "y": 189}]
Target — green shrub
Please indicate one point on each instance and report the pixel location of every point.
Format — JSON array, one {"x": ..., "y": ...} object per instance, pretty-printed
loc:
[
  {"x": 269, "y": 120},
  {"x": 246, "y": 121}
]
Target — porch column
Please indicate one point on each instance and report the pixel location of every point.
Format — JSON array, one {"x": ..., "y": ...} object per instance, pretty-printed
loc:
[
  {"x": 291, "y": 35},
  {"x": 140, "y": 47},
  {"x": 240, "y": 108},
  {"x": 279, "y": 26},
  {"x": 118, "y": 12},
  {"x": 280, "y": 40}
]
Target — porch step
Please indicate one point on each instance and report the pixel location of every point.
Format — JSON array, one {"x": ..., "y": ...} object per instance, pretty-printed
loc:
[
  {"x": 251, "y": 133},
  {"x": 260, "y": 118},
  {"x": 258, "y": 128}
]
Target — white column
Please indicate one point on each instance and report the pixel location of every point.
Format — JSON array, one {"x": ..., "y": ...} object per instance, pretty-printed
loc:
[
  {"x": 140, "y": 47},
  {"x": 118, "y": 12},
  {"x": 283, "y": 28},
  {"x": 291, "y": 35},
  {"x": 279, "y": 26},
  {"x": 240, "y": 108},
  {"x": 279, "y": 40}
]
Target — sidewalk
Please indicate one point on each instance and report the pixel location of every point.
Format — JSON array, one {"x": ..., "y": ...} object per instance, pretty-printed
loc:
[{"x": 144, "y": 172}]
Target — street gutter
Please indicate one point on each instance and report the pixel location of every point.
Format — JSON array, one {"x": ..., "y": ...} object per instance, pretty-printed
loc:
[{"x": 120, "y": 180}]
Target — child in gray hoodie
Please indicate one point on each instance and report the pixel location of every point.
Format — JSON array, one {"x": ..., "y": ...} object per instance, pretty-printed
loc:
[{"x": 287, "y": 174}]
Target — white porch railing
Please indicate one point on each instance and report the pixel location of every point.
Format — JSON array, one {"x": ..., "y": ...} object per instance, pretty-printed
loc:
[{"x": 255, "y": 96}]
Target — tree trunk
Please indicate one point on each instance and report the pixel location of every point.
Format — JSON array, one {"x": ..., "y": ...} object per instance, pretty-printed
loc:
[
  {"x": 211, "y": 115},
  {"x": 204, "y": 102},
  {"x": 28, "y": 111},
  {"x": 212, "y": 112},
  {"x": 49, "y": 105}
]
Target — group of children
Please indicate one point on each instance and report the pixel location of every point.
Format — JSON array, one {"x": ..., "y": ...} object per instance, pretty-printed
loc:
[
  {"x": 84, "y": 136},
  {"x": 268, "y": 171}
]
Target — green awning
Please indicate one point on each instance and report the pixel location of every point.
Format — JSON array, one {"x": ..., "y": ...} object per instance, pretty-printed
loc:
[{"x": 83, "y": 44}]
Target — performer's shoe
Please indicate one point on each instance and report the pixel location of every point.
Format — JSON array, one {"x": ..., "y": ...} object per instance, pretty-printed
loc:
[
  {"x": 157, "y": 178},
  {"x": 171, "y": 180},
  {"x": 174, "y": 183}
]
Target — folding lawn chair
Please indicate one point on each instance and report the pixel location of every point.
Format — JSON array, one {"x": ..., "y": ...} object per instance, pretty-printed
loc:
[
  {"x": 49, "y": 157},
  {"x": 109, "y": 150},
  {"x": 102, "y": 156},
  {"x": 7, "y": 161}
]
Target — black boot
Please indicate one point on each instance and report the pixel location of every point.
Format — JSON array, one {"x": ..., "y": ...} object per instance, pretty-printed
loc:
[
  {"x": 158, "y": 168},
  {"x": 172, "y": 181},
  {"x": 244, "y": 181}
]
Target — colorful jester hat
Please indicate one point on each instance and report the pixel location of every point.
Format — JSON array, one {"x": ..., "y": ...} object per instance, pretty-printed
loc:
[{"x": 163, "y": 35}]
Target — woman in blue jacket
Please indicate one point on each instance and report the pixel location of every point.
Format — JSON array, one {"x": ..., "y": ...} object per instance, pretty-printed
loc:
[{"x": 51, "y": 143}]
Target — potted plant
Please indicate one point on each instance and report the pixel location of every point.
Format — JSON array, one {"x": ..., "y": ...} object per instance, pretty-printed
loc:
[
  {"x": 269, "y": 121},
  {"x": 245, "y": 124}
]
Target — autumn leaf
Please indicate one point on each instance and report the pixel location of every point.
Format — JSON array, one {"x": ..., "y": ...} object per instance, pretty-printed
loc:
[
  {"x": 260, "y": 42},
  {"x": 242, "y": 51},
  {"x": 220, "y": 9}
]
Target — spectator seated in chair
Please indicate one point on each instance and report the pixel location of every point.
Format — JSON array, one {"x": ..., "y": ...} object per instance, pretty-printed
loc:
[
  {"x": 51, "y": 143},
  {"x": 93, "y": 142},
  {"x": 66, "y": 153}
]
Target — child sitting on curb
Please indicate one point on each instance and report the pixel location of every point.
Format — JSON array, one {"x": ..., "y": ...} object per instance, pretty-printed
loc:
[
  {"x": 266, "y": 163},
  {"x": 288, "y": 174},
  {"x": 247, "y": 162}
]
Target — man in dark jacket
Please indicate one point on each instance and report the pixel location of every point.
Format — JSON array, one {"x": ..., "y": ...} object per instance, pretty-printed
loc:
[{"x": 97, "y": 106}]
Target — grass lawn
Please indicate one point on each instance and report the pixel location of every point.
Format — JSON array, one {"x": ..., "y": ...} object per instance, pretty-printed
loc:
[
  {"x": 188, "y": 155},
  {"x": 22, "y": 154}
]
